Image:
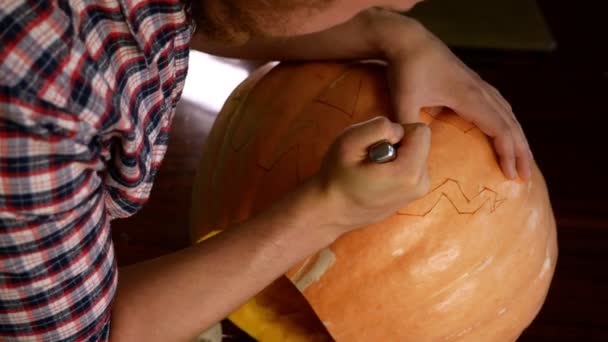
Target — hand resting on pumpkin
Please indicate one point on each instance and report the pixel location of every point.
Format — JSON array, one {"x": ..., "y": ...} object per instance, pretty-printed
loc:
[{"x": 423, "y": 72}]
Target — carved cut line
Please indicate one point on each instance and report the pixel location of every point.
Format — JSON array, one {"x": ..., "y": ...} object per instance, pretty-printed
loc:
[
  {"x": 490, "y": 195},
  {"x": 314, "y": 125},
  {"x": 465, "y": 131},
  {"x": 333, "y": 107},
  {"x": 277, "y": 160},
  {"x": 358, "y": 95}
]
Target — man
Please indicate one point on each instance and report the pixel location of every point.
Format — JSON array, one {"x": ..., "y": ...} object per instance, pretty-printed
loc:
[{"x": 87, "y": 93}]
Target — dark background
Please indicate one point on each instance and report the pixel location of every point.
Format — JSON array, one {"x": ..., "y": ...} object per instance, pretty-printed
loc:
[{"x": 560, "y": 98}]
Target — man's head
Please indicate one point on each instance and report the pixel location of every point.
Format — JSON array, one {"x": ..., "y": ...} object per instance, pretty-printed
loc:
[{"x": 238, "y": 20}]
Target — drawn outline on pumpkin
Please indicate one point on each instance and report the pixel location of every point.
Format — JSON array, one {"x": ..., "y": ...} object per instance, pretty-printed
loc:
[{"x": 487, "y": 194}]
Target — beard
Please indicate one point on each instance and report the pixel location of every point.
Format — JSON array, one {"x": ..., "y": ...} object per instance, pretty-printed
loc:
[
  {"x": 238, "y": 21},
  {"x": 229, "y": 23}
]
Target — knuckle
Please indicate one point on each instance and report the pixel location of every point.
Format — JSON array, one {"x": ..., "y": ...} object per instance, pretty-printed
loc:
[
  {"x": 341, "y": 147},
  {"x": 412, "y": 180},
  {"x": 504, "y": 101},
  {"x": 425, "y": 185},
  {"x": 521, "y": 147},
  {"x": 505, "y": 128},
  {"x": 343, "y": 135},
  {"x": 495, "y": 90},
  {"x": 348, "y": 134},
  {"x": 526, "y": 142},
  {"x": 473, "y": 89},
  {"x": 384, "y": 125},
  {"x": 479, "y": 80},
  {"x": 502, "y": 147},
  {"x": 419, "y": 185},
  {"x": 512, "y": 121},
  {"x": 509, "y": 153}
]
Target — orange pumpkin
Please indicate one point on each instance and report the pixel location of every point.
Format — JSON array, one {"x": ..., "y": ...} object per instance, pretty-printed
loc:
[{"x": 472, "y": 260}]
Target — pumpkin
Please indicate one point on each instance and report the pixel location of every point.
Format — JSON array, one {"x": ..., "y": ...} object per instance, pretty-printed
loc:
[{"x": 470, "y": 261}]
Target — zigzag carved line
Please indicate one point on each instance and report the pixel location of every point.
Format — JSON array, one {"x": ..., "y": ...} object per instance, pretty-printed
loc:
[{"x": 476, "y": 202}]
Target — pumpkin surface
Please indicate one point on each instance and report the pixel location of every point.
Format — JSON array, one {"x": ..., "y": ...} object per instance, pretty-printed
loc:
[{"x": 470, "y": 261}]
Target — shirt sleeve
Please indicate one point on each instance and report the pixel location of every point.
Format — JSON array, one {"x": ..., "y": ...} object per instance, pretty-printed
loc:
[
  {"x": 57, "y": 266},
  {"x": 87, "y": 93}
]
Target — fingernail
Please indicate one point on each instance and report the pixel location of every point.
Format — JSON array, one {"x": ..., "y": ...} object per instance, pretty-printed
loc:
[{"x": 398, "y": 129}]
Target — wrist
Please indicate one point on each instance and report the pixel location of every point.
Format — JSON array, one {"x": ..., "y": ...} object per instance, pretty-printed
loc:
[
  {"x": 300, "y": 223},
  {"x": 394, "y": 34},
  {"x": 316, "y": 207}
]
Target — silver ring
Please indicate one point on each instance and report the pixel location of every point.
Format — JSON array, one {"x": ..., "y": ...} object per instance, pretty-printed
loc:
[{"x": 382, "y": 152}]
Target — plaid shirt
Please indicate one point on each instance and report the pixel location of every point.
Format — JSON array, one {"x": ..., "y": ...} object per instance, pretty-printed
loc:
[{"x": 87, "y": 94}]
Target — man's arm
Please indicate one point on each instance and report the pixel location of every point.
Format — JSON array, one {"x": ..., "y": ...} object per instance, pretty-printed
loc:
[
  {"x": 175, "y": 297},
  {"x": 371, "y": 34}
]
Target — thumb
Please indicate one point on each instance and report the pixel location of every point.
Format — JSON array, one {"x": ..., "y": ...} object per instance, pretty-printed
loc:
[
  {"x": 354, "y": 142},
  {"x": 408, "y": 110},
  {"x": 415, "y": 146}
]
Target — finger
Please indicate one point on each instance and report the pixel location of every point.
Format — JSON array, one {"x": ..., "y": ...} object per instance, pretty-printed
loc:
[
  {"x": 405, "y": 103},
  {"x": 412, "y": 157},
  {"x": 497, "y": 105},
  {"x": 509, "y": 111},
  {"x": 408, "y": 113},
  {"x": 523, "y": 155},
  {"x": 522, "y": 137},
  {"x": 504, "y": 147},
  {"x": 356, "y": 139},
  {"x": 524, "y": 162},
  {"x": 490, "y": 90},
  {"x": 492, "y": 120},
  {"x": 509, "y": 138},
  {"x": 522, "y": 149},
  {"x": 499, "y": 97},
  {"x": 481, "y": 112}
]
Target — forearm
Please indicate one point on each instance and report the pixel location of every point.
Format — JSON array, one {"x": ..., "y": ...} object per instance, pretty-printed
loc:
[
  {"x": 369, "y": 35},
  {"x": 175, "y": 297}
]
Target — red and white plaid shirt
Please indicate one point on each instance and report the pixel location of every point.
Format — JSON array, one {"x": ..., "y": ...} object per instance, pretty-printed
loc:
[{"x": 87, "y": 94}]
